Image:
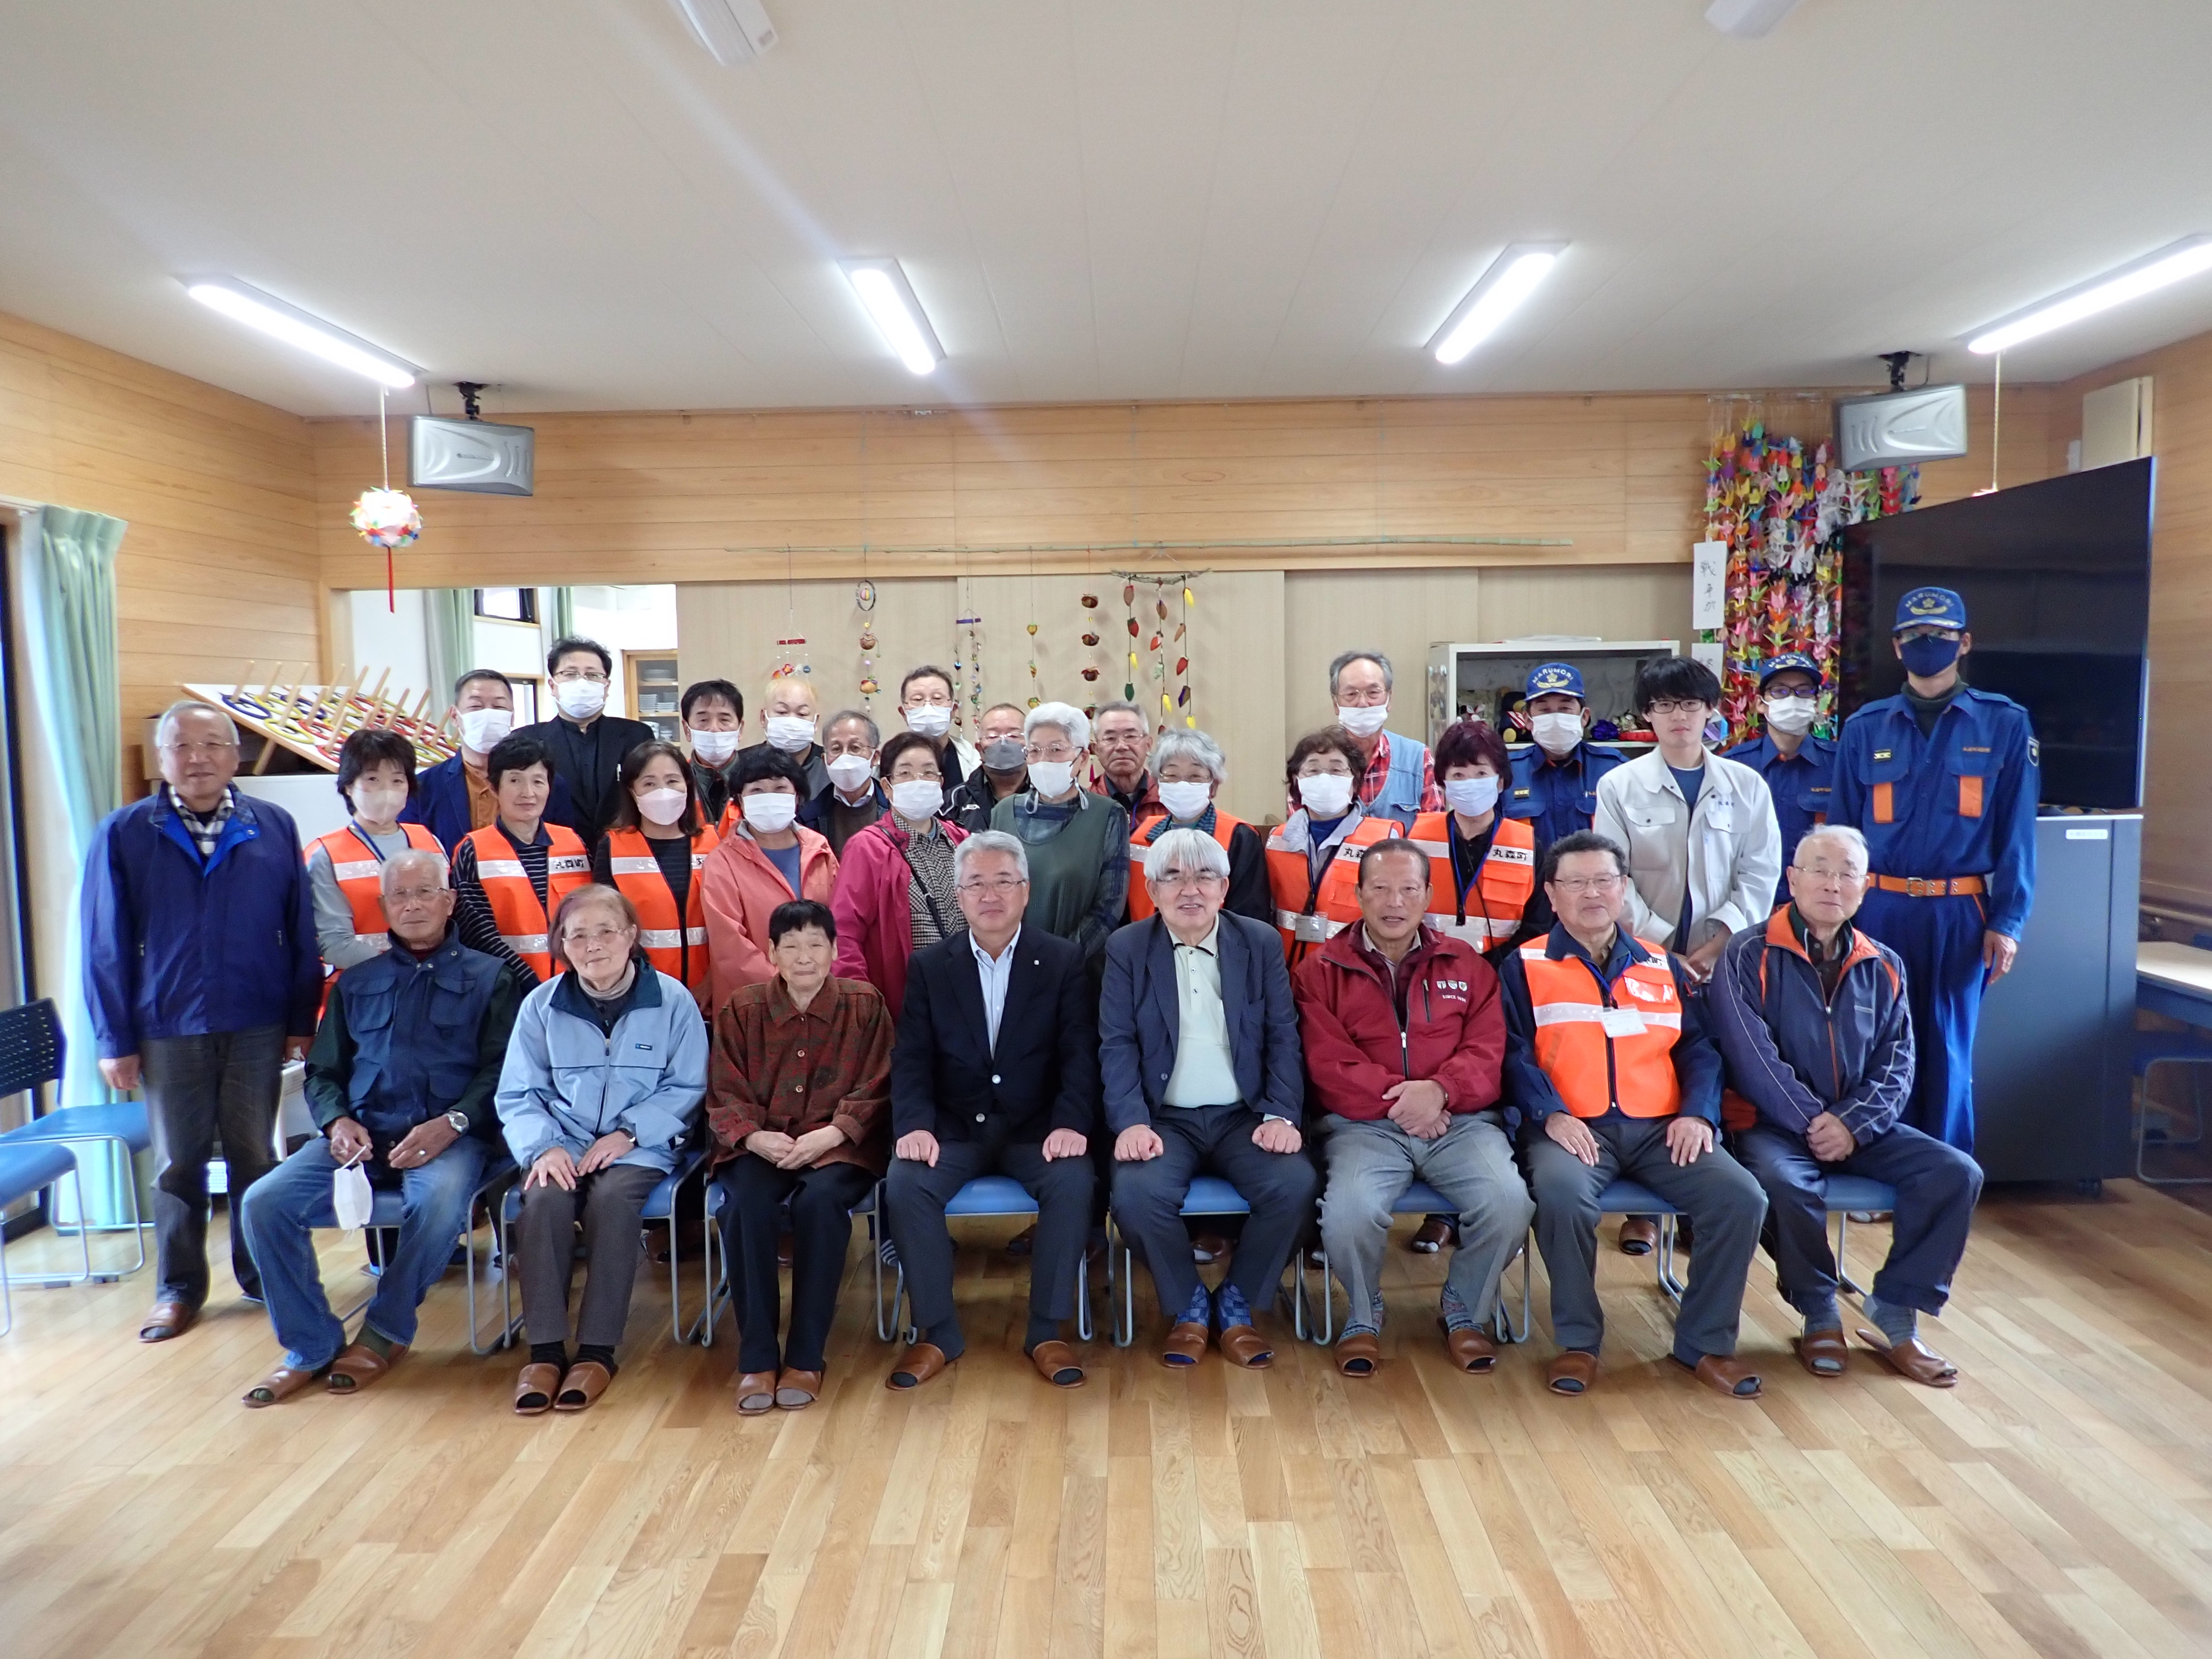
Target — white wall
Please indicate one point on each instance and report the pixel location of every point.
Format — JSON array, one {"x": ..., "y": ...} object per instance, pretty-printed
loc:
[
  {"x": 387, "y": 638},
  {"x": 631, "y": 617}
]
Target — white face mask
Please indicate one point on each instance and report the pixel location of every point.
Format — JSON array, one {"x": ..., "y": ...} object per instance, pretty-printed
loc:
[
  {"x": 1363, "y": 722},
  {"x": 767, "y": 813},
  {"x": 929, "y": 721},
  {"x": 715, "y": 747},
  {"x": 1185, "y": 801},
  {"x": 1556, "y": 734},
  {"x": 1791, "y": 716},
  {"x": 378, "y": 805},
  {"x": 581, "y": 699},
  {"x": 482, "y": 728},
  {"x": 849, "y": 772},
  {"x": 1325, "y": 794},
  {"x": 1052, "y": 779},
  {"x": 790, "y": 733},
  {"x": 917, "y": 798},
  {"x": 662, "y": 806},
  {"x": 1471, "y": 797}
]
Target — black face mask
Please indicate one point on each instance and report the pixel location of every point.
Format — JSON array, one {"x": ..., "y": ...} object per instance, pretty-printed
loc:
[
  {"x": 1928, "y": 655},
  {"x": 1004, "y": 753}
]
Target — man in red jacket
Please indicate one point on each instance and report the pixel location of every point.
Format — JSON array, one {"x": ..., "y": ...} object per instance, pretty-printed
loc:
[{"x": 1404, "y": 1041}]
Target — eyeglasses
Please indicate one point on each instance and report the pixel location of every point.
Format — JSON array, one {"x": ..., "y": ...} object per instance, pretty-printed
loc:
[
  {"x": 1058, "y": 751},
  {"x": 999, "y": 886},
  {"x": 1576, "y": 886},
  {"x": 414, "y": 895},
  {"x": 1825, "y": 875},
  {"x": 596, "y": 938},
  {"x": 566, "y": 675},
  {"x": 1174, "y": 880},
  {"x": 1675, "y": 706},
  {"x": 197, "y": 751}
]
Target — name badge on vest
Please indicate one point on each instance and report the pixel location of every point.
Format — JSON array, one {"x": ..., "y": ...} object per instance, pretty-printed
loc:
[{"x": 1621, "y": 1021}]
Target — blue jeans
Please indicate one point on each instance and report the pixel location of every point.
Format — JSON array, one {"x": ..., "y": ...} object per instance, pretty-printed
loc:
[{"x": 284, "y": 1206}]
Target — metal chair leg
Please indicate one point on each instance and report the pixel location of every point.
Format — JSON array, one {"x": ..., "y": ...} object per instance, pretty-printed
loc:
[{"x": 1669, "y": 1281}]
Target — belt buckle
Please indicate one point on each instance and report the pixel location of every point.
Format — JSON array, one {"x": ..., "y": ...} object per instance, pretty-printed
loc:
[{"x": 1919, "y": 887}]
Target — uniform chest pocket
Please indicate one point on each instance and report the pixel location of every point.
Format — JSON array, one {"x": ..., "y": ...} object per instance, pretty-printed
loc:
[
  {"x": 1651, "y": 835},
  {"x": 1886, "y": 767},
  {"x": 1970, "y": 765},
  {"x": 1814, "y": 800},
  {"x": 370, "y": 1012}
]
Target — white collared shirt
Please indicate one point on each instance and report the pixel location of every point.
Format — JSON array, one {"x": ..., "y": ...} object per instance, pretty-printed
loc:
[
  {"x": 994, "y": 972},
  {"x": 1204, "y": 1069}
]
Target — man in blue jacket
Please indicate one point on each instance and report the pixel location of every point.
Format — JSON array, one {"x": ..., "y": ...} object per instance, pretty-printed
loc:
[
  {"x": 1800, "y": 769},
  {"x": 455, "y": 796},
  {"x": 1942, "y": 781},
  {"x": 1812, "y": 1019},
  {"x": 201, "y": 978},
  {"x": 1555, "y": 778},
  {"x": 400, "y": 1081}
]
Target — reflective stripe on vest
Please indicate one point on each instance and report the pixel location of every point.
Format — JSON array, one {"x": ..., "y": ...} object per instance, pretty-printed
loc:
[
  {"x": 1595, "y": 1068},
  {"x": 522, "y": 921},
  {"x": 1307, "y": 912},
  {"x": 1499, "y": 895},
  {"x": 1141, "y": 897},
  {"x": 675, "y": 945}
]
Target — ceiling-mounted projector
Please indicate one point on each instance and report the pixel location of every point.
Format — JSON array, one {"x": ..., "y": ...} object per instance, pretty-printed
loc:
[
  {"x": 1747, "y": 20},
  {"x": 1896, "y": 428},
  {"x": 734, "y": 31},
  {"x": 477, "y": 456}
]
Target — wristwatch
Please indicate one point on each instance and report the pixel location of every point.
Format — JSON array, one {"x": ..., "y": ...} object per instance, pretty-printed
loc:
[{"x": 459, "y": 1121}]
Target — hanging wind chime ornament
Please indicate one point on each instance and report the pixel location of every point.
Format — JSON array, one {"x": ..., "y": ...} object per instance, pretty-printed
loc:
[
  {"x": 386, "y": 518},
  {"x": 790, "y": 659},
  {"x": 1090, "y": 643},
  {"x": 975, "y": 666},
  {"x": 864, "y": 601},
  {"x": 1129, "y": 598},
  {"x": 1182, "y": 663}
]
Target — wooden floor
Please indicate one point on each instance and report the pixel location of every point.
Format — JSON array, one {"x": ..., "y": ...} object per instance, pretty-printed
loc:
[{"x": 2058, "y": 1501}]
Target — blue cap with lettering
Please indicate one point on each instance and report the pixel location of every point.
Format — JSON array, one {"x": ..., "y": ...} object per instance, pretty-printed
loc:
[
  {"x": 1930, "y": 607},
  {"x": 1551, "y": 678},
  {"x": 1786, "y": 660}
]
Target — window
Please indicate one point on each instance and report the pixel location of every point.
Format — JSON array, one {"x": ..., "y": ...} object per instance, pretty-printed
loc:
[{"x": 518, "y": 604}]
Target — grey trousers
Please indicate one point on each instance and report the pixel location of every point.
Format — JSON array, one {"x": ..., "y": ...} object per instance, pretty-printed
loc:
[
  {"x": 1370, "y": 1164},
  {"x": 225, "y": 1085},
  {"x": 611, "y": 1201},
  {"x": 1724, "y": 1201}
]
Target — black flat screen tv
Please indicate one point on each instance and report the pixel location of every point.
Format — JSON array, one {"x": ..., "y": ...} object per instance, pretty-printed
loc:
[{"x": 2056, "y": 580}]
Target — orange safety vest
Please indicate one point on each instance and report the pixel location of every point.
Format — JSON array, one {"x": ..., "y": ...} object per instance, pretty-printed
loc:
[
  {"x": 359, "y": 868},
  {"x": 1594, "y": 1061},
  {"x": 1308, "y": 912},
  {"x": 524, "y": 922},
  {"x": 1500, "y": 892},
  {"x": 1141, "y": 896},
  {"x": 676, "y": 948}
]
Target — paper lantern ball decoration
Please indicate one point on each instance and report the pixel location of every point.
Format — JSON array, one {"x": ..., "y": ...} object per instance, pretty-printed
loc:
[{"x": 387, "y": 517}]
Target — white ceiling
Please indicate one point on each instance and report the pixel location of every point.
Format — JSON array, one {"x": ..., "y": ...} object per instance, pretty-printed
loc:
[{"x": 1094, "y": 198}]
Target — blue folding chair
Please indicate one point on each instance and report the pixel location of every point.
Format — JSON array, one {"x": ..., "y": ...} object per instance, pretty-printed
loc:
[
  {"x": 1209, "y": 1195},
  {"x": 659, "y": 1206},
  {"x": 1419, "y": 1199},
  {"x": 24, "y": 1169},
  {"x": 995, "y": 1195},
  {"x": 1840, "y": 1195},
  {"x": 718, "y": 1284},
  {"x": 32, "y": 1051},
  {"x": 388, "y": 1209}
]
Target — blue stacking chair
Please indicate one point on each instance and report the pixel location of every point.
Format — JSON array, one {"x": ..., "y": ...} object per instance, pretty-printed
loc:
[
  {"x": 718, "y": 1282},
  {"x": 986, "y": 1195},
  {"x": 1840, "y": 1195},
  {"x": 26, "y": 1168},
  {"x": 1419, "y": 1199},
  {"x": 659, "y": 1206},
  {"x": 31, "y": 1055},
  {"x": 385, "y": 1211},
  {"x": 1209, "y": 1195}
]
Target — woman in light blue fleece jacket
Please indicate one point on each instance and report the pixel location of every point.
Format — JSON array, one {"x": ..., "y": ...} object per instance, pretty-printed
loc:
[{"x": 598, "y": 1097}]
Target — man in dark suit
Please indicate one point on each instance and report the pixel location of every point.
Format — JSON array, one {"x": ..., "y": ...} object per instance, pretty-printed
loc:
[
  {"x": 588, "y": 744},
  {"x": 1199, "y": 1049},
  {"x": 995, "y": 1071}
]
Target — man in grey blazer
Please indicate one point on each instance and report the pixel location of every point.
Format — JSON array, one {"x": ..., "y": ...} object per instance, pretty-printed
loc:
[{"x": 1199, "y": 1054}]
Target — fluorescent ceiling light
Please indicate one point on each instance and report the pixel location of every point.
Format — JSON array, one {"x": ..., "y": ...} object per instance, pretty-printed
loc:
[
  {"x": 1747, "y": 20},
  {"x": 898, "y": 316},
  {"x": 250, "y": 306},
  {"x": 733, "y": 31},
  {"x": 2153, "y": 271},
  {"x": 1512, "y": 278}
]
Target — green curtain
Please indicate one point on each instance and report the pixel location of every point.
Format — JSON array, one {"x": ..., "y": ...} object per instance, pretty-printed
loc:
[
  {"x": 68, "y": 596},
  {"x": 450, "y": 614},
  {"x": 560, "y": 622}
]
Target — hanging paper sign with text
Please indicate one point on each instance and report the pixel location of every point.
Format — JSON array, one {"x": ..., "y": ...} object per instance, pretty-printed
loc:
[
  {"x": 1708, "y": 584},
  {"x": 1712, "y": 653}
]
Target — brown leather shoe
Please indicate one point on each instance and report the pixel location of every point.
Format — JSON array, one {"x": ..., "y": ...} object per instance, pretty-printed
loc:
[
  {"x": 166, "y": 1319},
  {"x": 923, "y": 1361},
  {"x": 361, "y": 1365},
  {"x": 1824, "y": 1353},
  {"x": 1432, "y": 1235},
  {"x": 280, "y": 1384},
  {"x": 1240, "y": 1344},
  {"x": 1207, "y": 1249},
  {"x": 1912, "y": 1359},
  {"x": 755, "y": 1394},
  {"x": 1639, "y": 1235},
  {"x": 796, "y": 1390},
  {"x": 1470, "y": 1350},
  {"x": 1725, "y": 1374},
  {"x": 1186, "y": 1344},
  {"x": 1358, "y": 1353},
  {"x": 1573, "y": 1372},
  {"x": 586, "y": 1380},
  {"x": 1056, "y": 1363},
  {"x": 534, "y": 1390}
]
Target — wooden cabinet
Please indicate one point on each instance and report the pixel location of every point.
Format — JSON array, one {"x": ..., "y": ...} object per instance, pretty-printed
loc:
[{"x": 650, "y": 677}]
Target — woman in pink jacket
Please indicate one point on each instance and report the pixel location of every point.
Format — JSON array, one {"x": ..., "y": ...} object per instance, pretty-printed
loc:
[
  {"x": 895, "y": 886},
  {"x": 768, "y": 860}
]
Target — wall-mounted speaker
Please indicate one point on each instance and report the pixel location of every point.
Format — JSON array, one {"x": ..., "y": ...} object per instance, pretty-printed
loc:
[
  {"x": 472, "y": 455},
  {"x": 1900, "y": 427}
]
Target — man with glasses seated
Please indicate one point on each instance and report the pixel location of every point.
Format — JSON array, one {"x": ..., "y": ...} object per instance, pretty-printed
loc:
[
  {"x": 1813, "y": 1018},
  {"x": 400, "y": 1081},
  {"x": 995, "y": 1071},
  {"x": 1608, "y": 1066},
  {"x": 587, "y": 743},
  {"x": 1199, "y": 1045}
]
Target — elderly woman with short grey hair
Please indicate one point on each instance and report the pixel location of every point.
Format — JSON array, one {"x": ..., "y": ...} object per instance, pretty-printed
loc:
[
  {"x": 1076, "y": 842},
  {"x": 1189, "y": 769}
]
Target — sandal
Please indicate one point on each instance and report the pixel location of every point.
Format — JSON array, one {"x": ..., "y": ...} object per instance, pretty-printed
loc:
[
  {"x": 534, "y": 1389},
  {"x": 361, "y": 1365},
  {"x": 586, "y": 1382},
  {"x": 1824, "y": 1353},
  {"x": 1912, "y": 1359},
  {"x": 757, "y": 1393},
  {"x": 279, "y": 1385}
]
